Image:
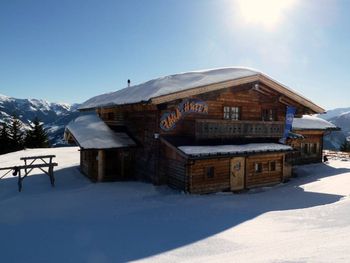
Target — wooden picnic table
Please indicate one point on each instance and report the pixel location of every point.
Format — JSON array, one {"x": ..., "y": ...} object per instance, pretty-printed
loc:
[{"x": 29, "y": 165}]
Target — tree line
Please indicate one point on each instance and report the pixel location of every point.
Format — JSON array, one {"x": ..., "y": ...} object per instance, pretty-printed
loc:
[{"x": 13, "y": 138}]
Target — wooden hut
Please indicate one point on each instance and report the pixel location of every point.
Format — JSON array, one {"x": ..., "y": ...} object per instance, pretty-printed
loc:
[
  {"x": 105, "y": 155},
  {"x": 203, "y": 131},
  {"x": 309, "y": 145}
]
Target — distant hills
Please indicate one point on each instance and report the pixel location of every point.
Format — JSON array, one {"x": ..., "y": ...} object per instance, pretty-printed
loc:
[
  {"x": 55, "y": 116},
  {"x": 341, "y": 118}
]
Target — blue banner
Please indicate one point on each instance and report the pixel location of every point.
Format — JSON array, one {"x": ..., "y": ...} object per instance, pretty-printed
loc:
[{"x": 289, "y": 122}]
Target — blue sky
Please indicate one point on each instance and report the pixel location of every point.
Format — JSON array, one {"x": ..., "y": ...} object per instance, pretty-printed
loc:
[{"x": 69, "y": 51}]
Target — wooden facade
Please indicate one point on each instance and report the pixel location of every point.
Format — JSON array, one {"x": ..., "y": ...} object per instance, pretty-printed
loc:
[
  {"x": 107, "y": 165},
  {"x": 309, "y": 148},
  {"x": 162, "y": 163},
  {"x": 237, "y": 113}
]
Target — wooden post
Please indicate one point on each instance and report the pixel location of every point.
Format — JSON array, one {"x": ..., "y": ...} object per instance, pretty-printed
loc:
[{"x": 101, "y": 165}]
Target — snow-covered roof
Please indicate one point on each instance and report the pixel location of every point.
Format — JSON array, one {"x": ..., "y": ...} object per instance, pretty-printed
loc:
[
  {"x": 155, "y": 90},
  {"x": 308, "y": 122},
  {"x": 90, "y": 132},
  {"x": 167, "y": 85},
  {"x": 234, "y": 149}
]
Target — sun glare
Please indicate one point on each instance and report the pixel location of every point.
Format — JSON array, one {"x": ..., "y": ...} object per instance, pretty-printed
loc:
[{"x": 267, "y": 13}]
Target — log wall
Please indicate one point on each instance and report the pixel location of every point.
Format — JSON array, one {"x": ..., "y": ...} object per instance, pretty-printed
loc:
[
  {"x": 173, "y": 168},
  {"x": 199, "y": 182},
  {"x": 265, "y": 177},
  {"x": 310, "y": 138}
]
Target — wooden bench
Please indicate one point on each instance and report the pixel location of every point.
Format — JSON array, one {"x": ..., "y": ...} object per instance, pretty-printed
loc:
[{"x": 29, "y": 165}]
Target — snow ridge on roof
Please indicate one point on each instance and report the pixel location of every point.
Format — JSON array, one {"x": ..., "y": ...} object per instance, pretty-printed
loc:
[
  {"x": 308, "y": 122},
  {"x": 167, "y": 85},
  {"x": 234, "y": 149},
  {"x": 91, "y": 132}
]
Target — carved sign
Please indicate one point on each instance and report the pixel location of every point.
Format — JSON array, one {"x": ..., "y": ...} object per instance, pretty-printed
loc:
[{"x": 169, "y": 119}]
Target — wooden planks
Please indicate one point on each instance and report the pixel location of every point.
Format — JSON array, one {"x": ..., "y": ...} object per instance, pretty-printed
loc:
[
  {"x": 200, "y": 183},
  {"x": 266, "y": 176}
]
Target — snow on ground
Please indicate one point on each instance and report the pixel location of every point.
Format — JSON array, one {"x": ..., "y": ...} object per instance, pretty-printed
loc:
[{"x": 305, "y": 220}]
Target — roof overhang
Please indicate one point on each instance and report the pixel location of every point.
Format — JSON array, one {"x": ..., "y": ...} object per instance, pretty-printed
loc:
[
  {"x": 91, "y": 133},
  {"x": 280, "y": 88},
  {"x": 222, "y": 151}
]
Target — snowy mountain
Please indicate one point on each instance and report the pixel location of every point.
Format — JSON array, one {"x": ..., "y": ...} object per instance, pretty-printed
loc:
[
  {"x": 334, "y": 113},
  {"x": 341, "y": 118},
  {"x": 55, "y": 116}
]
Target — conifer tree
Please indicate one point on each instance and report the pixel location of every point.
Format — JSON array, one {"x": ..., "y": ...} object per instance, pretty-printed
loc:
[
  {"x": 16, "y": 134},
  {"x": 37, "y": 136},
  {"x": 345, "y": 147},
  {"x": 4, "y": 139}
]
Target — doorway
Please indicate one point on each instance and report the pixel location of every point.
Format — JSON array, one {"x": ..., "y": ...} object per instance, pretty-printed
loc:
[{"x": 237, "y": 173}]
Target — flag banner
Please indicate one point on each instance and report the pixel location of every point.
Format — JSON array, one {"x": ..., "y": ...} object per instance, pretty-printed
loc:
[{"x": 289, "y": 122}]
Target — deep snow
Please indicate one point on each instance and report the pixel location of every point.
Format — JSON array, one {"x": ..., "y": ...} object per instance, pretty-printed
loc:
[{"x": 305, "y": 220}]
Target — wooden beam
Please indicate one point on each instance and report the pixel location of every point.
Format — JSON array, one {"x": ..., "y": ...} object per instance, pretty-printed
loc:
[
  {"x": 101, "y": 165},
  {"x": 290, "y": 94}
]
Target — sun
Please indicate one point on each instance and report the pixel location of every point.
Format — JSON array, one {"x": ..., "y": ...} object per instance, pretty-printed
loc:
[{"x": 266, "y": 13}]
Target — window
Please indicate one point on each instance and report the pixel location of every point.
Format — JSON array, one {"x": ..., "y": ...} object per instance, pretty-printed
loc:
[
  {"x": 258, "y": 167},
  {"x": 309, "y": 148},
  {"x": 272, "y": 166},
  {"x": 232, "y": 113},
  {"x": 268, "y": 114},
  {"x": 306, "y": 148},
  {"x": 226, "y": 112},
  {"x": 210, "y": 172},
  {"x": 110, "y": 116},
  {"x": 237, "y": 166}
]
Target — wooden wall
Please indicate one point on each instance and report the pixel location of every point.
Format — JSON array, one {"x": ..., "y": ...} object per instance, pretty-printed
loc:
[
  {"x": 199, "y": 182},
  {"x": 266, "y": 177},
  {"x": 173, "y": 168},
  {"x": 311, "y": 138},
  {"x": 141, "y": 123},
  {"x": 118, "y": 164},
  {"x": 88, "y": 163},
  {"x": 250, "y": 102}
]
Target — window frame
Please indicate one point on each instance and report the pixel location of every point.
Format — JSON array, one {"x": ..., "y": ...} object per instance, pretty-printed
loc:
[
  {"x": 258, "y": 168},
  {"x": 209, "y": 172},
  {"x": 274, "y": 166},
  {"x": 232, "y": 113},
  {"x": 268, "y": 114}
]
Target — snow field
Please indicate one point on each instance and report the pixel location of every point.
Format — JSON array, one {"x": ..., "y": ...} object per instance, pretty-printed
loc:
[{"x": 304, "y": 220}]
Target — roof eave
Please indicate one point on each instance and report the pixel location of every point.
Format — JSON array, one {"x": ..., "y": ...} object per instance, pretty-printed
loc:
[
  {"x": 226, "y": 155},
  {"x": 240, "y": 81}
]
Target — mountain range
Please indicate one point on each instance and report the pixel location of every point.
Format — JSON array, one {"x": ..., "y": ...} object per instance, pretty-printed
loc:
[
  {"x": 341, "y": 118},
  {"x": 54, "y": 116}
]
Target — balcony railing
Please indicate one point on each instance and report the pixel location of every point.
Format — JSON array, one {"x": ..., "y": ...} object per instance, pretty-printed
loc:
[{"x": 213, "y": 129}]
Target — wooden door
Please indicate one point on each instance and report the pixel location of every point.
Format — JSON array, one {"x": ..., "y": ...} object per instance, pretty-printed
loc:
[{"x": 237, "y": 173}]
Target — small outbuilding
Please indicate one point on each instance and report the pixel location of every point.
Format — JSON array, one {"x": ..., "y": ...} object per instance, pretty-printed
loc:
[
  {"x": 309, "y": 146},
  {"x": 105, "y": 155}
]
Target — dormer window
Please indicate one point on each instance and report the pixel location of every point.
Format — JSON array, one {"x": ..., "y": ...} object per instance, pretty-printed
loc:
[{"x": 232, "y": 113}]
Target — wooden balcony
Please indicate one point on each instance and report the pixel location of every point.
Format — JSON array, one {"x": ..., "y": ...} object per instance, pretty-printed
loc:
[{"x": 214, "y": 129}]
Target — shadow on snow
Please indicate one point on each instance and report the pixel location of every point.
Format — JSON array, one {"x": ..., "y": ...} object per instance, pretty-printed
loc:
[{"x": 79, "y": 221}]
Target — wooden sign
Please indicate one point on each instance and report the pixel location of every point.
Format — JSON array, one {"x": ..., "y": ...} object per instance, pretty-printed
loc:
[{"x": 169, "y": 119}]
